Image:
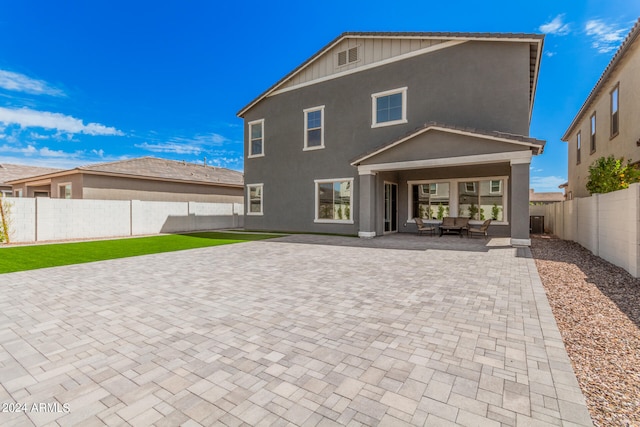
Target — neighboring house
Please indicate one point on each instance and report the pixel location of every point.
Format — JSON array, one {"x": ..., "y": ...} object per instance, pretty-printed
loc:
[
  {"x": 145, "y": 178},
  {"x": 378, "y": 128},
  {"x": 608, "y": 121},
  {"x": 10, "y": 172},
  {"x": 545, "y": 198}
]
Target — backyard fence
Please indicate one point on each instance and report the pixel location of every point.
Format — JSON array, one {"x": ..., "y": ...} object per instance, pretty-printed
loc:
[
  {"x": 606, "y": 224},
  {"x": 44, "y": 219}
]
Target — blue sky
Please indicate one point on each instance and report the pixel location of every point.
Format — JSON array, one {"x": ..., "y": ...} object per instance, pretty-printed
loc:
[{"x": 93, "y": 81}]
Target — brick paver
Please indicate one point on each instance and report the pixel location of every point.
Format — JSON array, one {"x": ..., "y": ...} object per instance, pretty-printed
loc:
[{"x": 303, "y": 330}]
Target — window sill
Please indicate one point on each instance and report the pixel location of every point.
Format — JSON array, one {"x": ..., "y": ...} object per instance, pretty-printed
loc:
[
  {"x": 383, "y": 124},
  {"x": 318, "y": 147},
  {"x": 613, "y": 136},
  {"x": 255, "y": 213},
  {"x": 253, "y": 156},
  {"x": 333, "y": 221}
]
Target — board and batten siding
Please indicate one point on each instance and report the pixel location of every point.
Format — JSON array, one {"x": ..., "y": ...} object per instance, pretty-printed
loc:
[{"x": 370, "y": 51}]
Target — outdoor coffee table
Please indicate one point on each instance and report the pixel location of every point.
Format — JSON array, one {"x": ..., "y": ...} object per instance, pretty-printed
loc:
[{"x": 451, "y": 229}]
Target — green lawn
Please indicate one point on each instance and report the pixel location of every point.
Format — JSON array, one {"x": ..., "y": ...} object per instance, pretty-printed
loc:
[{"x": 19, "y": 258}]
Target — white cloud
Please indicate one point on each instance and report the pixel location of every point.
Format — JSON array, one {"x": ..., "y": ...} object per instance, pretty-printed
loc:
[
  {"x": 546, "y": 183},
  {"x": 27, "y": 118},
  {"x": 550, "y": 54},
  {"x": 170, "y": 147},
  {"x": 556, "y": 26},
  {"x": 21, "y": 83},
  {"x": 605, "y": 37}
]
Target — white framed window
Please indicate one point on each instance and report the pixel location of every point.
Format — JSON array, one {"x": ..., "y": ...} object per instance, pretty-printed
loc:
[
  {"x": 314, "y": 128},
  {"x": 256, "y": 138},
  {"x": 453, "y": 199},
  {"x": 334, "y": 200},
  {"x": 389, "y": 107},
  {"x": 255, "y": 199},
  {"x": 17, "y": 193},
  {"x": 64, "y": 190}
]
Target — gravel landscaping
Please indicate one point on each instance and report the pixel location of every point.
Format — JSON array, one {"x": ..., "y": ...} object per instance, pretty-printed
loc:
[{"x": 597, "y": 307}]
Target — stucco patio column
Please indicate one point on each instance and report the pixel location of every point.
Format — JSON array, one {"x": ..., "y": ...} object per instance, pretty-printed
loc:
[
  {"x": 367, "y": 193},
  {"x": 520, "y": 202}
]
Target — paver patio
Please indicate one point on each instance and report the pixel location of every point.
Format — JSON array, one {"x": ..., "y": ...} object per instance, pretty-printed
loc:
[{"x": 302, "y": 330}]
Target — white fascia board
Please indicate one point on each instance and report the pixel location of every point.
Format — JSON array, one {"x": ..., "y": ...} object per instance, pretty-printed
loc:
[{"x": 514, "y": 157}]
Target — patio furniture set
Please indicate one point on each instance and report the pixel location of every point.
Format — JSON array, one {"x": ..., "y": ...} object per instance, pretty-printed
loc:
[{"x": 451, "y": 225}]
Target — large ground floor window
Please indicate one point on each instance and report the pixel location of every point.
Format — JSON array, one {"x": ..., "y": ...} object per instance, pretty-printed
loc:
[
  {"x": 334, "y": 200},
  {"x": 478, "y": 199}
]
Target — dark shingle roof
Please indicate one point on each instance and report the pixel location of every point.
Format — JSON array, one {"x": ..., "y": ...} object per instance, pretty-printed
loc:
[
  {"x": 168, "y": 169},
  {"x": 9, "y": 172},
  {"x": 534, "y": 60},
  {"x": 617, "y": 57},
  {"x": 479, "y": 132}
]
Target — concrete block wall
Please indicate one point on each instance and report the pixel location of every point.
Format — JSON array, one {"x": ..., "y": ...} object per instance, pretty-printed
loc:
[
  {"x": 61, "y": 219},
  {"x": 45, "y": 219},
  {"x": 606, "y": 224},
  {"x": 22, "y": 219}
]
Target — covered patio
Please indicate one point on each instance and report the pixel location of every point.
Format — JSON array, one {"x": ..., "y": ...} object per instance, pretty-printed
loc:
[{"x": 440, "y": 170}]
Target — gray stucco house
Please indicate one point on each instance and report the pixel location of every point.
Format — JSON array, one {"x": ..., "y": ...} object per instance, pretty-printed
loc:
[{"x": 378, "y": 128}]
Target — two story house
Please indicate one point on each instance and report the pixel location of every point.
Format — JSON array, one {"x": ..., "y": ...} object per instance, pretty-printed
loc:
[
  {"x": 376, "y": 129},
  {"x": 607, "y": 123}
]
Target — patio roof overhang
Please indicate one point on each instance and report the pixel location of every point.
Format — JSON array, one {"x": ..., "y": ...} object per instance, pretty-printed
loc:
[{"x": 511, "y": 157}]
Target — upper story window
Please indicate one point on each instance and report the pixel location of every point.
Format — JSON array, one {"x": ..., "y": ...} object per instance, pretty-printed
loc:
[
  {"x": 592, "y": 127},
  {"x": 615, "y": 104},
  {"x": 579, "y": 146},
  {"x": 389, "y": 107},
  {"x": 256, "y": 138},
  {"x": 314, "y": 128},
  {"x": 495, "y": 186}
]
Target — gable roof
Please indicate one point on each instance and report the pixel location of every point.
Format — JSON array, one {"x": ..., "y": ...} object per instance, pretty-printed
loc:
[
  {"x": 617, "y": 57},
  {"x": 157, "y": 169},
  {"x": 10, "y": 172},
  {"x": 536, "y": 145},
  {"x": 535, "y": 41}
]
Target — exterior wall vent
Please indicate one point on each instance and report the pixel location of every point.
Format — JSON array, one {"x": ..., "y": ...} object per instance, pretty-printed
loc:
[{"x": 348, "y": 56}]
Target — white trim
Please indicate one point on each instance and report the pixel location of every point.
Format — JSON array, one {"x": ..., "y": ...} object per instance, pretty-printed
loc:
[
  {"x": 261, "y": 185},
  {"x": 306, "y": 129},
  {"x": 17, "y": 192},
  {"x": 317, "y": 202},
  {"x": 429, "y": 49},
  {"x": 522, "y": 161},
  {"x": 520, "y": 242},
  {"x": 249, "y": 154},
  {"x": 443, "y": 129},
  {"x": 366, "y": 234},
  {"x": 513, "y": 156},
  {"x": 374, "y": 98}
]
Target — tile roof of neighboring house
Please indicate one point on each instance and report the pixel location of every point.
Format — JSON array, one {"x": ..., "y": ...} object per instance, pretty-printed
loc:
[
  {"x": 161, "y": 169},
  {"x": 545, "y": 197},
  {"x": 534, "y": 53},
  {"x": 622, "y": 50},
  {"x": 10, "y": 172},
  {"x": 536, "y": 144}
]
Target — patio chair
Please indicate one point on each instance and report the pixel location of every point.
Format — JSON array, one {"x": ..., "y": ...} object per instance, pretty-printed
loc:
[
  {"x": 481, "y": 230},
  {"x": 422, "y": 227}
]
